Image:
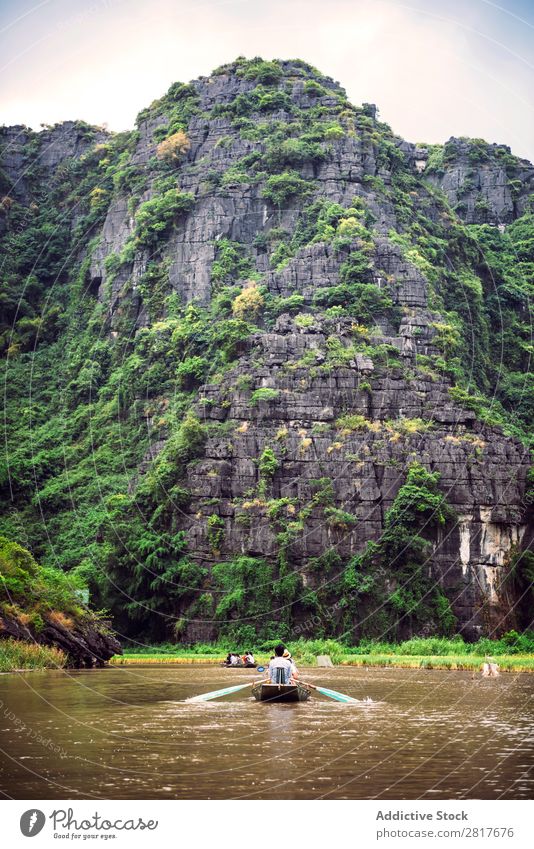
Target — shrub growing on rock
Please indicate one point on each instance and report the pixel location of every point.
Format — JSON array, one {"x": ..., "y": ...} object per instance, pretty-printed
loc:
[
  {"x": 292, "y": 153},
  {"x": 248, "y": 303},
  {"x": 280, "y": 188},
  {"x": 334, "y": 132},
  {"x": 231, "y": 263},
  {"x": 268, "y": 73},
  {"x": 191, "y": 371},
  {"x": 173, "y": 148},
  {"x": 155, "y": 216},
  {"x": 314, "y": 89},
  {"x": 264, "y": 393},
  {"x": 268, "y": 463},
  {"x": 215, "y": 532}
]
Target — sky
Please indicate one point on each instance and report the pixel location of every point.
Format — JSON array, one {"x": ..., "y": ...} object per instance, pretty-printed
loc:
[{"x": 435, "y": 68}]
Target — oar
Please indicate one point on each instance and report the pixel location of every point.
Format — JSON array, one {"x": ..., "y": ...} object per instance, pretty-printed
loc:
[
  {"x": 215, "y": 694},
  {"x": 332, "y": 694}
]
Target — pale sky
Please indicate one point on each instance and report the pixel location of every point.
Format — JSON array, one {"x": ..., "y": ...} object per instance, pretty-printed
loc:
[{"x": 435, "y": 68}]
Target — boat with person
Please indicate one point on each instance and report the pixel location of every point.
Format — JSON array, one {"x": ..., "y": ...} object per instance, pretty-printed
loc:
[
  {"x": 236, "y": 661},
  {"x": 266, "y": 692},
  {"x": 263, "y": 691},
  {"x": 282, "y": 685}
]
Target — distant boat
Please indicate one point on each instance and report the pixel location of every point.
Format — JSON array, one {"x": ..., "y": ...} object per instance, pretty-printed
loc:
[
  {"x": 240, "y": 665},
  {"x": 281, "y": 692}
]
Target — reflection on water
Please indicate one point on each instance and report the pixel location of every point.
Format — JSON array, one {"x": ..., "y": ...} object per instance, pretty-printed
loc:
[{"x": 128, "y": 733}]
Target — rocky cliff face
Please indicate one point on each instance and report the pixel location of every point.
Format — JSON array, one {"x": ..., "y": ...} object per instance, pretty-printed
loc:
[
  {"x": 314, "y": 298},
  {"x": 484, "y": 183}
]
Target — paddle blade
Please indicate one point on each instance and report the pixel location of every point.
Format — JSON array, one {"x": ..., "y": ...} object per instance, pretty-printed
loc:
[
  {"x": 333, "y": 694},
  {"x": 215, "y": 694}
]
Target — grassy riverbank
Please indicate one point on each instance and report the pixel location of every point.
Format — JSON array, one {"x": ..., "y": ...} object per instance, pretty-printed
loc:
[
  {"x": 513, "y": 652},
  {"x": 16, "y": 654},
  {"x": 507, "y": 663},
  {"x": 512, "y": 655}
]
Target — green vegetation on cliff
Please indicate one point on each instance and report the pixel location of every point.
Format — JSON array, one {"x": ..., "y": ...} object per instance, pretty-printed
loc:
[
  {"x": 32, "y": 594},
  {"x": 170, "y": 296},
  {"x": 44, "y": 618}
]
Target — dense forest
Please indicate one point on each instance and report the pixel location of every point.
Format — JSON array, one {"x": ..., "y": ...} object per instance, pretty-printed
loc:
[{"x": 266, "y": 371}]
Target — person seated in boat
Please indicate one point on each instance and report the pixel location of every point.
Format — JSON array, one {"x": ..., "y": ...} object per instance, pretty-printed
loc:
[
  {"x": 248, "y": 659},
  {"x": 280, "y": 666},
  {"x": 294, "y": 670}
]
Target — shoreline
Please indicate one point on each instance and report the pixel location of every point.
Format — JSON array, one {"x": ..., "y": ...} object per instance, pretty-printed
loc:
[
  {"x": 506, "y": 663},
  {"x": 469, "y": 663}
]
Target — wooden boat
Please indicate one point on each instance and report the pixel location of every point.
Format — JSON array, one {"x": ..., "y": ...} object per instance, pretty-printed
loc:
[
  {"x": 281, "y": 692},
  {"x": 239, "y": 665}
]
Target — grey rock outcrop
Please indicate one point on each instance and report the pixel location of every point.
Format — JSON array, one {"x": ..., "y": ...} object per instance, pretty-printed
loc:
[
  {"x": 484, "y": 183},
  {"x": 86, "y": 644}
]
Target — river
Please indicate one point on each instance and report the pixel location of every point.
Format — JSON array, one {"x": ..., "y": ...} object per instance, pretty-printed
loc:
[{"x": 127, "y": 733}]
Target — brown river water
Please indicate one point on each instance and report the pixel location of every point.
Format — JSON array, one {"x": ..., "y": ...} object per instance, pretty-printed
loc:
[{"x": 127, "y": 733}]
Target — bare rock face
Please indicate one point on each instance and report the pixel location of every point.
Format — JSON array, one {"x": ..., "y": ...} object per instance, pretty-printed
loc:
[{"x": 14, "y": 140}]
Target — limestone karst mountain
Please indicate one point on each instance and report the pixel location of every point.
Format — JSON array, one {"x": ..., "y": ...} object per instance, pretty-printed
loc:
[{"x": 267, "y": 365}]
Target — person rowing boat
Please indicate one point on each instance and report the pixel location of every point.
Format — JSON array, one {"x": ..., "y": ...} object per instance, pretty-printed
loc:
[
  {"x": 282, "y": 670},
  {"x": 281, "y": 685}
]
